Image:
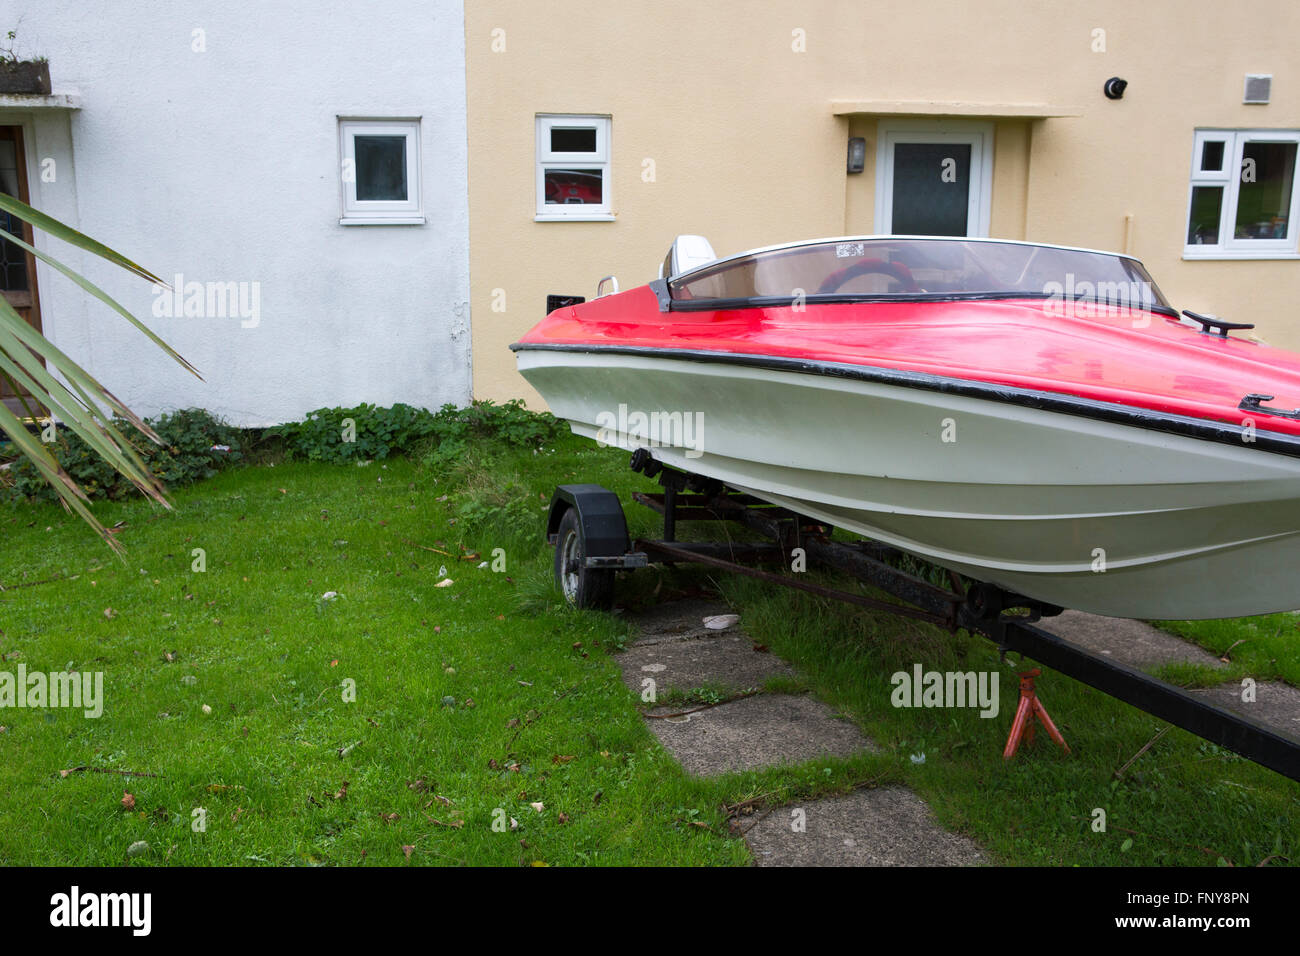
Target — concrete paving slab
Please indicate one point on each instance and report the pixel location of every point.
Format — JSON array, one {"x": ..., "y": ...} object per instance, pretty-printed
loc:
[
  {"x": 759, "y": 731},
  {"x": 729, "y": 661},
  {"x": 1130, "y": 642},
  {"x": 886, "y": 826},
  {"x": 679, "y": 621},
  {"x": 1275, "y": 705}
]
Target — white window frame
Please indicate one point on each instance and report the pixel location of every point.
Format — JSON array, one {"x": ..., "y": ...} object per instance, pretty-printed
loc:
[
  {"x": 978, "y": 135},
  {"x": 600, "y": 159},
  {"x": 1229, "y": 178},
  {"x": 375, "y": 212}
]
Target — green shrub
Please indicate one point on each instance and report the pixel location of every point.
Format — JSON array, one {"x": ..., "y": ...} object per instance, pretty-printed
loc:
[
  {"x": 197, "y": 446},
  {"x": 192, "y": 448},
  {"x": 341, "y": 435},
  {"x": 511, "y": 423}
]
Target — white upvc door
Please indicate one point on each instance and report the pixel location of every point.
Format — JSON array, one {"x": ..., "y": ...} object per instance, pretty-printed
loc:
[{"x": 934, "y": 177}]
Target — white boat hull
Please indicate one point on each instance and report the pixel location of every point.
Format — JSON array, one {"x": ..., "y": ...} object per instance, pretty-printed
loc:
[{"x": 1100, "y": 516}]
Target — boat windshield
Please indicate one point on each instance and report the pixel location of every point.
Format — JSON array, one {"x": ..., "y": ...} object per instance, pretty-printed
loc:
[{"x": 841, "y": 270}]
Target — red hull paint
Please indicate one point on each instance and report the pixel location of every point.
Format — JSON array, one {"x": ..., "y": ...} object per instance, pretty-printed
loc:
[{"x": 1165, "y": 366}]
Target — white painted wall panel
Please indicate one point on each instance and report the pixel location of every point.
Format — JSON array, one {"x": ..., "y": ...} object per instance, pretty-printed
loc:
[{"x": 223, "y": 166}]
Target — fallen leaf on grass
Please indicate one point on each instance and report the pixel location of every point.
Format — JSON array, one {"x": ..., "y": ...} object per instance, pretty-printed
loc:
[
  {"x": 561, "y": 758},
  {"x": 109, "y": 613},
  {"x": 406, "y": 850},
  {"x": 390, "y": 817},
  {"x": 453, "y": 824},
  {"x": 128, "y": 800}
]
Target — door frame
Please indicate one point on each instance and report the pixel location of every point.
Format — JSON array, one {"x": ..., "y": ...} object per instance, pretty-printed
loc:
[
  {"x": 26, "y": 169},
  {"x": 978, "y": 135}
]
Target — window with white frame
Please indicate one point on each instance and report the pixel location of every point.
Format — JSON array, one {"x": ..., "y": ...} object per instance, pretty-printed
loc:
[
  {"x": 380, "y": 171},
  {"x": 1243, "y": 202},
  {"x": 573, "y": 177}
]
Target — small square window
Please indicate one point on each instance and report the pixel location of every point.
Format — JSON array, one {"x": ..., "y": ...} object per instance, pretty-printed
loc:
[
  {"x": 573, "y": 169},
  {"x": 1212, "y": 156},
  {"x": 380, "y": 171}
]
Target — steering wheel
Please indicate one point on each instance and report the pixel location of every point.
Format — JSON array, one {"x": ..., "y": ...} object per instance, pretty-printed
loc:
[{"x": 863, "y": 266}]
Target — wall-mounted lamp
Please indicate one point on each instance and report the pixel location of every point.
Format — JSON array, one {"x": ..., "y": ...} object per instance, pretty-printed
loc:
[
  {"x": 857, "y": 154},
  {"x": 1114, "y": 88}
]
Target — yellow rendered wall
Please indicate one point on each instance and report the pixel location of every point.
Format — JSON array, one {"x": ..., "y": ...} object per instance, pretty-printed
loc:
[{"x": 732, "y": 103}]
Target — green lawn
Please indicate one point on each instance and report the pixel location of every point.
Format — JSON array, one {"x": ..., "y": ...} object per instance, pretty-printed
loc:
[
  {"x": 476, "y": 700},
  {"x": 1265, "y": 647}
]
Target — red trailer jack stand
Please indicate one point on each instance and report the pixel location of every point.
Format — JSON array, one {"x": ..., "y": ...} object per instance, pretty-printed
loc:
[{"x": 1030, "y": 709}]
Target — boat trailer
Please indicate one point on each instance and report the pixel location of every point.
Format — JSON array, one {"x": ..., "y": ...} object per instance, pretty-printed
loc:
[{"x": 587, "y": 526}]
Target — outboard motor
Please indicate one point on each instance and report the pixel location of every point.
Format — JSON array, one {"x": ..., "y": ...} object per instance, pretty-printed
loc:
[{"x": 687, "y": 253}]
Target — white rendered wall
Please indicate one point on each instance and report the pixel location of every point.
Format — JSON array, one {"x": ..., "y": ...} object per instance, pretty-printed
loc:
[{"x": 223, "y": 166}]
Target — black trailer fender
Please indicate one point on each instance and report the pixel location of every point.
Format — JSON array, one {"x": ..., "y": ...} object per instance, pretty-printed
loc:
[{"x": 600, "y": 515}]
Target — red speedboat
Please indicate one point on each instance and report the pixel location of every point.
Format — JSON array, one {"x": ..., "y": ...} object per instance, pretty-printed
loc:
[{"x": 1032, "y": 416}]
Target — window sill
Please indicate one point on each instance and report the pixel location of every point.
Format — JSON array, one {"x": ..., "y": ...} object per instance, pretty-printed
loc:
[
  {"x": 68, "y": 100},
  {"x": 389, "y": 221},
  {"x": 594, "y": 217},
  {"x": 1244, "y": 256}
]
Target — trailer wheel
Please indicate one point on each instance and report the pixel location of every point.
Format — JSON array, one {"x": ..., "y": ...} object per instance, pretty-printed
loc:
[{"x": 582, "y": 587}]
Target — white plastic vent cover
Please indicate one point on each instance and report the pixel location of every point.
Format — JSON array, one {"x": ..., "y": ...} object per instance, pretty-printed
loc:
[{"x": 1258, "y": 87}]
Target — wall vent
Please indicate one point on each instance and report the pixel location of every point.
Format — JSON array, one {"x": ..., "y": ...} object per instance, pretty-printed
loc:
[{"x": 1258, "y": 87}]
